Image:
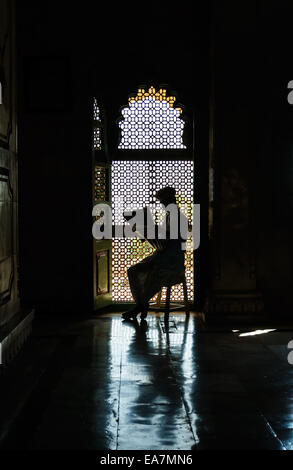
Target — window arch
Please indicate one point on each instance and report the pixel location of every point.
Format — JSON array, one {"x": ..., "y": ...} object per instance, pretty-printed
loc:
[{"x": 150, "y": 121}]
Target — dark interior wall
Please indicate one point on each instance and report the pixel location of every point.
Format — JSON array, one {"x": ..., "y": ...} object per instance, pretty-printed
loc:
[
  {"x": 253, "y": 156},
  {"x": 274, "y": 188},
  {"x": 67, "y": 55},
  {"x": 55, "y": 154},
  {"x": 236, "y": 83}
]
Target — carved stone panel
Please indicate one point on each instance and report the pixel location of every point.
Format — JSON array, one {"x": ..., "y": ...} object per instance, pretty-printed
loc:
[
  {"x": 102, "y": 267},
  {"x": 6, "y": 237},
  {"x": 5, "y": 72},
  {"x": 9, "y": 295}
]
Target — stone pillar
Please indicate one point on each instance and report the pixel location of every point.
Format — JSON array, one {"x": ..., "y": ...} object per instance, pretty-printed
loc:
[
  {"x": 233, "y": 149},
  {"x": 15, "y": 324},
  {"x": 9, "y": 299}
]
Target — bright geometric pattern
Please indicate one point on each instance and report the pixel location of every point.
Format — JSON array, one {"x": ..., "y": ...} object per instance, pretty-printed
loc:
[
  {"x": 133, "y": 185},
  {"x": 97, "y": 140},
  {"x": 100, "y": 186},
  {"x": 150, "y": 121}
]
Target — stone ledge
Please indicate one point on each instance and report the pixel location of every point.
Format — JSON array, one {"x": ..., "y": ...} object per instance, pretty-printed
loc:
[
  {"x": 234, "y": 302},
  {"x": 234, "y": 306},
  {"x": 14, "y": 335}
]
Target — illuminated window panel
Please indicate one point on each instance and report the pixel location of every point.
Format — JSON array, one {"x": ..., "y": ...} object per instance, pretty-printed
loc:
[
  {"x": 97, "y": 140},
  {"x": 100, "y": 184},
  {"x": 96, "y": 111},
  {"x": 150, "y": 121},
  {"x": 134, "y": 184}
]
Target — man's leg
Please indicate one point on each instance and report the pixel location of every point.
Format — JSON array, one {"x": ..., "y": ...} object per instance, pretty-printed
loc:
[{"x": 138, "y": 276}]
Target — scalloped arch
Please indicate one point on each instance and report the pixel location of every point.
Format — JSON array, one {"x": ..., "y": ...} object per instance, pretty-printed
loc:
[{"x": 150, "y": 121}]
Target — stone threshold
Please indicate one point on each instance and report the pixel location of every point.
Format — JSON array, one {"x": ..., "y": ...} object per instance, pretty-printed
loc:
[{"x": 13, "y": 335}]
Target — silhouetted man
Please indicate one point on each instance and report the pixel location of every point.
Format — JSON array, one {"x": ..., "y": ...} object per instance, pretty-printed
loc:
[{"x": 147, "y": 277}]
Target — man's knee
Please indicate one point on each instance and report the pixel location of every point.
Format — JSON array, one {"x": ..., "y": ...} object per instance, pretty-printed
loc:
[
  {"x": 131, "y": 271},
  {"x": 137, "y": 269}
]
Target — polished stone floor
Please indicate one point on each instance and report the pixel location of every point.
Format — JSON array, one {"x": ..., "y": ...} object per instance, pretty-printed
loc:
[{"x": 109, "y": 384}]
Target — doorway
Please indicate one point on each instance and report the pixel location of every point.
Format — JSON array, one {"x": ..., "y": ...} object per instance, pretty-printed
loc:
[{"x": 153, "y": 151}]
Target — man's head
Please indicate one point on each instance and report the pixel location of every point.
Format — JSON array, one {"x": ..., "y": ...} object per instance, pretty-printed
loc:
[{"x": 166, "y": 195}]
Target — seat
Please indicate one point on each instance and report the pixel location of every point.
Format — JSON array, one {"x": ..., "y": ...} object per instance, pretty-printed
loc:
[{"x": 157, "y": 305}]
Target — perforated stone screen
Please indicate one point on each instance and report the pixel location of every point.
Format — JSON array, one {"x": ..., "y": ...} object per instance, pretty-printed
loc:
[
  {"x": 134, "y": 184},
  {"x": 97, "y": 141},
  {"x": 151, "y": 122},
  {"x": 100, "y": 183}
]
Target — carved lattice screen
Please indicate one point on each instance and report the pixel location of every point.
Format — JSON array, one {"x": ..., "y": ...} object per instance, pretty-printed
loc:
[
  {"x": 100, "y": 183},
  {"x": 134, "y": 184},
  {"x": 151, "y": 122},
  {"x": 97, "y": 140}
]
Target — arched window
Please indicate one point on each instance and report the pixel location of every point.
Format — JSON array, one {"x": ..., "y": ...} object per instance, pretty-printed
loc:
[
  {"x": 152, "y": 125},
  {"x": 150, "y": 121}
]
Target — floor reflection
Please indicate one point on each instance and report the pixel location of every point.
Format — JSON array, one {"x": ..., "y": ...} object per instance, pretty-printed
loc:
[
  {"x": 152, "y": 408},
  {"x": 110, "y": 384}
]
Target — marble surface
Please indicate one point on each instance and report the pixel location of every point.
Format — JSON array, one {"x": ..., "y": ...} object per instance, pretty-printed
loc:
[{"x": 110, "y": 384}]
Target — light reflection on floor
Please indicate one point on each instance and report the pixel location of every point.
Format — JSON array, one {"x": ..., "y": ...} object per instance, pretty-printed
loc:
[
  {"x": 132, "y": 386},
  {"x": 151, "y": 401},
  {"x": 169, "y": 395}
]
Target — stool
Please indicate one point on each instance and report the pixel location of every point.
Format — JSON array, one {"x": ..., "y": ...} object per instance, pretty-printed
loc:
[{"x": 167, "y": 306}]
